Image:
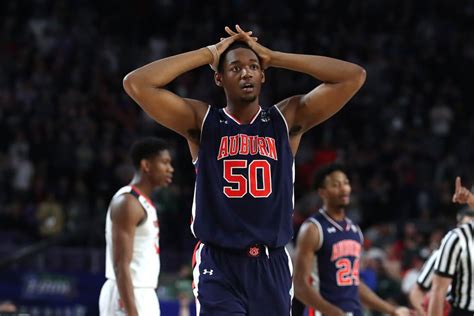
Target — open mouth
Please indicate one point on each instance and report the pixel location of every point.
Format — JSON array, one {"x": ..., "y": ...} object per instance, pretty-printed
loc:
[{"x": 247, "y": 87}]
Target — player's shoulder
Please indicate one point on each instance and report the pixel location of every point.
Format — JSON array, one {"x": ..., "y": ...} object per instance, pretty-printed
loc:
[
  {"x": 125, "y": 200},
  {"x": 126, "y": 208}
]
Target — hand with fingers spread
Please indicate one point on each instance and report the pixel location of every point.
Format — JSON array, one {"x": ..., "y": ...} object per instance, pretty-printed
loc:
[
  {"x": 462, "y": 195},
  {"x": 264, "y": 53},
  {"x": 219, "y": 48}
]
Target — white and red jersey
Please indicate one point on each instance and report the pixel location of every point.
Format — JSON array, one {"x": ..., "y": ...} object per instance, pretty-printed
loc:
[{"x": 145, "y": 264}]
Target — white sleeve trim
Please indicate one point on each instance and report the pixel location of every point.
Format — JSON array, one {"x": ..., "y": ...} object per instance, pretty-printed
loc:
[
  {"x": 320, "y": 229},
  {"x": 202, "y": 129},
  {"x": 284, "y": 120}
]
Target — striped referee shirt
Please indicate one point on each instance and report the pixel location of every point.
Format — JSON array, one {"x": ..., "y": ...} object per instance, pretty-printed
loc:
[
  {"x": 456, "y": 261},
  {"x": 425, "y": 278}
]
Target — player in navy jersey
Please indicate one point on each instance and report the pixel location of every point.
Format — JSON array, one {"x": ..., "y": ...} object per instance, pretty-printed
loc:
[
  {"x": 336, "y": 242},
  {"x": 244, "y": 156}
]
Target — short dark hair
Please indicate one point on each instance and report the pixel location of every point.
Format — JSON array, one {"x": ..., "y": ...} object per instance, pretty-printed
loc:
[
  {"x": 464, "y": 212},
  {"x": 146, "y": 148},
  {"x": 234, "y": 45},
  {"x": 324, "y": 171}
]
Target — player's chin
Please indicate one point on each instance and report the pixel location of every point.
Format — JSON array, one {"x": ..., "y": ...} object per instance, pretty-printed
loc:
[
  {"x": 344, "y": 204},
  {"x": 167, "y": 182},
  {"x": 248, "y": 98}
]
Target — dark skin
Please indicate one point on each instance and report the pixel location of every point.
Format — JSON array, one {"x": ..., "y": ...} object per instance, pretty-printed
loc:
[
  {"x": 127, "y": 213},
  {"x": 335, "y": 194},
  {"x": 146, "y": 85}
]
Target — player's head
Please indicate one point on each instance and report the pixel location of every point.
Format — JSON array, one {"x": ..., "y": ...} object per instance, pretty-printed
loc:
[
  {"x": 465, "y": 215},
  {"x": 333, "y": 186},
  {"x": 151, "y": 158},
  {"x": 240, "y": 73}
]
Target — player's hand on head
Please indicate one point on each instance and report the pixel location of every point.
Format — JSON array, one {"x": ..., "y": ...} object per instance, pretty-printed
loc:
[
  {"x": 461, "y": 194},
  {"x": 264, "y": 53},
  {"x": 219, "y": 48}
]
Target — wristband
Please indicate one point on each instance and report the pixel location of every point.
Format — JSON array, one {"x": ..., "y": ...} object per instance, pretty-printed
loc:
[{"x": 215, "y": 57}]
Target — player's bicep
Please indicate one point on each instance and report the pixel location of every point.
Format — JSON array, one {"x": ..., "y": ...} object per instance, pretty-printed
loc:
[
  {"x": 181, "y": 115},
  {"x": 125, "y": 214},
  {"x": 324, "y": 101},
  {"x": 306, "y": 111},
  {"x": 306, "y": 245}
]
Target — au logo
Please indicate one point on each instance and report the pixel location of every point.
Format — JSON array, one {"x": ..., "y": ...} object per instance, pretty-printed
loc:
[{"x": 254, "y": 251}]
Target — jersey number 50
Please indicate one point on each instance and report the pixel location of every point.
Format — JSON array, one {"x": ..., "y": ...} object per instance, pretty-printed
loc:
[{"x": 242, "y": 185}]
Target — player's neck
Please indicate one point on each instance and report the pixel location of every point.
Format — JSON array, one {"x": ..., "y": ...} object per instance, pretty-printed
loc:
[
  {"x": 142, "y": 185},
  {"x": 336, "y": 213},
  {"x": 243, "y": 111}
]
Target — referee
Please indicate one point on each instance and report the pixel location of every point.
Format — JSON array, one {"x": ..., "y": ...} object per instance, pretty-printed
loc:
[
  {"x": 425, "y": 277},
  {"x": 455, "y": 265}
]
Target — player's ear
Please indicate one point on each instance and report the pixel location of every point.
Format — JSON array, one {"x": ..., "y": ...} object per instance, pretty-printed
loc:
[
  {"x": 145, "y": 165},
  {"x": 320, "y": 192},
  {"x": 218, "y": 79},
  {"x": 263, "y": 76}
]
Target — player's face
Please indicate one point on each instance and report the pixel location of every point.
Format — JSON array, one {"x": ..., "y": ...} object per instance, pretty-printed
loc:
[
  {"x": 242, "y": 76},
  {"x": 337, "y": 189},
  {"x": 160, "y": 170}
]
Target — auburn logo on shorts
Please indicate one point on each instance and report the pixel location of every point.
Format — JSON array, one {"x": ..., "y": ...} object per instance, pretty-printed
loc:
[{"x": 254, "y": 251}]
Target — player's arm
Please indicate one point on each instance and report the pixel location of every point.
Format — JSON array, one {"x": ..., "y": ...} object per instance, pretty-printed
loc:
[
  {"x": 374, "y": 302},
  {"x": 126, "y": 214},
  {"x": 416, "y": 296},
  {"x": 341, "y": 80},
  {"x": 307, "y": 243},
  {"x": 147, "y": 86},
  {"x": 438, "y": 294}
]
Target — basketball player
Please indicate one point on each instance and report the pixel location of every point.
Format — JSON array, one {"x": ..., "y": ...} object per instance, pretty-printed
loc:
[
  {"x": 132, "y": 263},
  {"x": 243, "y": 155},
  {"x": 454, "y": 265},
  {"x": 336, "y": 242},
  {"x": 423, "y": 283}
]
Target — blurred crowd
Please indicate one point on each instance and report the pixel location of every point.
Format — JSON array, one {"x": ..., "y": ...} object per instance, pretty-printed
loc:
[{"x": 66, "y": 123}]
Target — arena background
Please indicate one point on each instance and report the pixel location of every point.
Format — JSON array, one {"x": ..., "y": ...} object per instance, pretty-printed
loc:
[{"x": 66, "y": 126}]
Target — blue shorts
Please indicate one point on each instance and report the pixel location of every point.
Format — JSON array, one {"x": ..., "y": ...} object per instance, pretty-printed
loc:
[{"x": 253, "y": 282}]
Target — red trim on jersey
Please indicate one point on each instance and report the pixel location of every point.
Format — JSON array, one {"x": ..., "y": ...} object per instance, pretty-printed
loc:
[
  {"x": 194, "y": 253},
  {"x": 139, "y": 192},
  {"x": 238, "y": 121},
  {"x": 311, "y": 311}
]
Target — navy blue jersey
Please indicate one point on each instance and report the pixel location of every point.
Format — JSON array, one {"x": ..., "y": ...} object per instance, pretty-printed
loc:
[
  {"x": 244, "y": 181},
  {"x": 338, "y": 261}
]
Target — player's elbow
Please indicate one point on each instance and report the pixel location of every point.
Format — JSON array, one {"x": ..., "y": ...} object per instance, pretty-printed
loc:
[
  {"x": 129, "y": 82},
  {"x": 359, "y": 76},
  {"x": 301, "y": 288}
]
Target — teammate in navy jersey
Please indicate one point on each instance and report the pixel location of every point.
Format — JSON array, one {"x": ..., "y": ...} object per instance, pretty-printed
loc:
[
  {"x": 336, "y": 243},
  {"x": 244, "y": 156}
]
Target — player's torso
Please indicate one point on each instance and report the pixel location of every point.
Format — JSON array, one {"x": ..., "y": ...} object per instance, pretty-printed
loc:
[
  {"x": 145, "y": 264},
  {"x": 244, "y": 181},
  {"x": 338, "y": 261}
]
